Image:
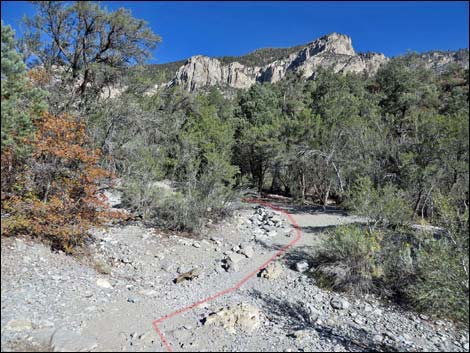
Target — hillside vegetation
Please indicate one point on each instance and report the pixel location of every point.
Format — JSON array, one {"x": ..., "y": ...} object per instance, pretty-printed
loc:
[{"x": 393, "y": 148}]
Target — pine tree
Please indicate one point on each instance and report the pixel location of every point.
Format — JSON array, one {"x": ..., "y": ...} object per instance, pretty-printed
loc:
[
  {"x": 21, "y": 104},
  {"x": 20, "y": 101}
]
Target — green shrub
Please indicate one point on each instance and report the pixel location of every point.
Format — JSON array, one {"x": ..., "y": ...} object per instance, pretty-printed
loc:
[
  {"x": 441, "y": 286},
  {"x": 425, "y": 269},
  {"x": 347, "y": 260},
  {"x": 383, "y": 206},
  {"x": 183, "y": 209},
  {"x": 441, "y": 264}
]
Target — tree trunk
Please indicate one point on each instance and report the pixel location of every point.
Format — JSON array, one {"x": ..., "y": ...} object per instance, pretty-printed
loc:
[
  {"x": 327, "y": 194},
  {"x": 276, "y": 183},
  {"x": 302, "y": 186}
]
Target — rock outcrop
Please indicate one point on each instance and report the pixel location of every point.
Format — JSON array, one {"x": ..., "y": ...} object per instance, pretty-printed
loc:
[
  {"x": 331, "y": 51},
  {"x": 439, "y": 60},
  {"x": 202, "y": 71}
]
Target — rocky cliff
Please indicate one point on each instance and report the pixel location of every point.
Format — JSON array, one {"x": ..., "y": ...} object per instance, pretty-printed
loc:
[
  {"x": 333, "y": 51},
  {"x": 439, "y": 60}
]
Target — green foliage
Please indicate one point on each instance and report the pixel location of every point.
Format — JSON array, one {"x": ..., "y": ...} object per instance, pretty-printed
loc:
[
  {"x": 427, "y": 269},
  {"x": 347, "y": 260},
  {"x": 392, "y": 147},
  {"x": 85, "y": 45},
  {"x": 148, "y": 75},
  {"x": 385, "y": 206},
  {"x": 261, "y": 56},
  {"x": 193, "y": 150},
  {"x": 21, "y": 102},
  {"x": 442, "y": 285},
  {"x": 259, "y": 128}
]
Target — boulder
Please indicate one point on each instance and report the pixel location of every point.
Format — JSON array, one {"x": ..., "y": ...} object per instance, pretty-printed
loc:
[
  {"x": 103, "y": 283},
  {"x": 243, "y": 317},
  {"x": 302, "y": 266},
  {"x": 339, "y": 303},
  {"x": 188, "y": 276},
  {"x": 68, "y": 341},
  {"x": 272, "y": 271},
  {"x": 247, "y": 251},
  {"x": 19, "y": 325}
]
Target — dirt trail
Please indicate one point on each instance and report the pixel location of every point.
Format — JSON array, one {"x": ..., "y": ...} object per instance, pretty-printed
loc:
[
  {"x": 117, "y": 314},
  {"x": 311, "y": 220}
]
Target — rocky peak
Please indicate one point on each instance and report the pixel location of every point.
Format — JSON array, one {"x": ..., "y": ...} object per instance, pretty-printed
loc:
[
  {"x": 333, "y": 43},
  {"x": 333, "y": 50}
]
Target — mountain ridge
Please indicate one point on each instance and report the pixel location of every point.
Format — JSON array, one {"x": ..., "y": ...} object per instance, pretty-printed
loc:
[{"x": 334, "y": 51}]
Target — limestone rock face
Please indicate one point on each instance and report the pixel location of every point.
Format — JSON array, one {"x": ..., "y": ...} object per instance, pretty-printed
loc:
[
  {"x": 202, "y": 71},
  {"x": 333, "y": 51},
  {"x": 439, "y": 60}
]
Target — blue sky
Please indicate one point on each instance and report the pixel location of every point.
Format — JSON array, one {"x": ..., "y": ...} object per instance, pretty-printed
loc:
[{"x": 235, "y": 28}]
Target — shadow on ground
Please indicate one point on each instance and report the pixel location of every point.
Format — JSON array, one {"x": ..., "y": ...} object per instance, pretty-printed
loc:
[
  {"x": 288, "y": 205},
  {"x": 296, "y": 316}
]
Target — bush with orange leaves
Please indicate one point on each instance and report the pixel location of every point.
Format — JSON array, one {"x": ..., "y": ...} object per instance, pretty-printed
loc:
[{"x": 56, "y": 198}]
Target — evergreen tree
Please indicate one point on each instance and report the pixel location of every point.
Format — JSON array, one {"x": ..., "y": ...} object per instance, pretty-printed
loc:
[{"x": 21, "y": 102}]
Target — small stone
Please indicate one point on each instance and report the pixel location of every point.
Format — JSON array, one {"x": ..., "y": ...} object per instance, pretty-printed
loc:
[
  {"x": 190, "y": 275},
  {"x": 167, "y": 266},
  {"x": 247, "y": 251},
  {"x": 197, "y": 244},
  {"x": 299, "y": 335},
  {"x": 235, "y": 258},
  {"x": 148, "y": 292},
  {"x": 19, "y": 325},
  {"x": 20, "y": 245},
  {"x": 272, "y": 271},
  {"x": 133, "y": 300},
  {"x": 243, "y": 316},
  {"x": 67, "y": 341},
  {"x": 231, "y": 263},
  {"x": 302, "y": 266},
  {"x": 339, "y": 303},
  {"x": 103, "y": 283},
  {"x": 378, "y": 338}
]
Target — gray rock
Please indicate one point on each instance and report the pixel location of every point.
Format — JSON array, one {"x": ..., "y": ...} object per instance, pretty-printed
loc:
[
  {"x": 339, "y": 303},
  {"x": 63, "y": 340},
  {"x": 302, "y": 266},
  {"x": 378, "y": 338},
  {"x": 247, "y": 251},
  {"x": 19, "y": 325},
  {"x": 273, "y": 271},
  {"x": 113, "y": 197},
  {"x": 103, "y": 283},
  {"x": 334, "y": 51},
  {"x": 235, "y": 258},
  {"x": 133, "y": 300},
  {"x": 148, "y": 292}
]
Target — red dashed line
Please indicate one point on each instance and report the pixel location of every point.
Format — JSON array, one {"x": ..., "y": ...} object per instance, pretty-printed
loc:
[{"x": 237, "y": 285}]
